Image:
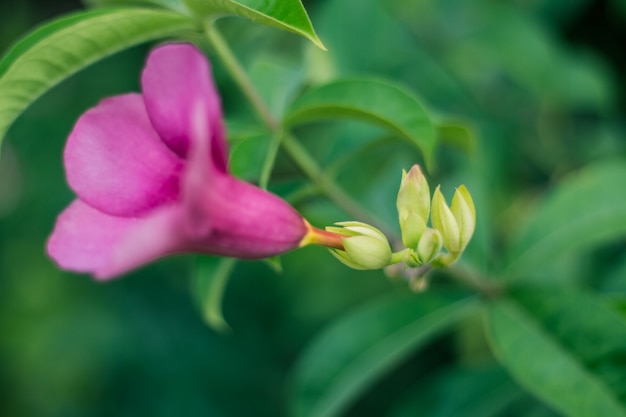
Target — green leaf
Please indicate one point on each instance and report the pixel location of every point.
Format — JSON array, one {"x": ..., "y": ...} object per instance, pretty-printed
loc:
[
  {"x": 277, "y": 81},
  {"x": 568, "y": 349},
  {"x": 372, "y": 100},
  {"x": 585, "y": 210},
  {"x": 59, "y": 49},
  {"x": 287, "y": 15},
  {"x": 360, "y": 348},
  {"x": 614, "y": 280},
  {"x": 177, "y": 5},
  {"x": 619, "y": 8},
  {"x": 457, "y": 134},
  {"x": 209, "y": 283},
  {"x": 275, "y": 264},
  {"x": 247, "y": 156},
  {"x": 469, "y": 392}
]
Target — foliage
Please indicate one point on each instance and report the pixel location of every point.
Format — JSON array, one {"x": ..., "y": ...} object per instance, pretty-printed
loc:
[{"x": 495, "y": 95}]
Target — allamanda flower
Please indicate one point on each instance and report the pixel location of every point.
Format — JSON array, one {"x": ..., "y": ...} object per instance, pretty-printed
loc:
[{"x": 150, "y": 171}]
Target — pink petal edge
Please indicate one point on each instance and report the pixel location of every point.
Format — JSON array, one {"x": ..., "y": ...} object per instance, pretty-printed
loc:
[
  {"x": 176, "y": 77},
  {"x": 89, "y": 241},
  {"x": 83, "y": 238}
]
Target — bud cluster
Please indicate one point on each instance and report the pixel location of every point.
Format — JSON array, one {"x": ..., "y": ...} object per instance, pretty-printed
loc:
[
  {"x": 452, "y": 226},
  {"x": 365, "y": 247}
]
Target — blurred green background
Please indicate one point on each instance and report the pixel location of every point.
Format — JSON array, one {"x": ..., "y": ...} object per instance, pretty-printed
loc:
[{"x": 540, "y": 83}]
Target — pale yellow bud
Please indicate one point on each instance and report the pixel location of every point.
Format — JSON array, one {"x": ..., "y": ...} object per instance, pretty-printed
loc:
[
  {"x": 456, "y": 223},
  {"x": 365, "y": 247},
  {"x": 429, "y": 245},
  {"x": 444, "y": 221},
  {"x": 465, "y": 214},
  {"x": 413, "y": 204}
]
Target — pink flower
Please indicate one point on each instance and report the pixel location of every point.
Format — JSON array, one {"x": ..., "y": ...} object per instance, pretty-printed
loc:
[{"x": 150, "y": 171}]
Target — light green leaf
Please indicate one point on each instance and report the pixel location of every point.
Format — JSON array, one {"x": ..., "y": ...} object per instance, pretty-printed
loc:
[
  {"x": 287, "y": 15},
  {"x": 373, "y": 100},
  {"x": 177, "y": 5},
  {"x": 59, "y": 49},
  {"x": 566, "y": 348},
  {"x": 209, "y": 283},
  {"x": 585, "y": 210},
  {"x": 360, "y": 348}
]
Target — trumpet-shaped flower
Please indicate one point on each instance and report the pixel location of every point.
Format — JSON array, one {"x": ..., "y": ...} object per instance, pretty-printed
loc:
[{"x": 150, "y": 172}]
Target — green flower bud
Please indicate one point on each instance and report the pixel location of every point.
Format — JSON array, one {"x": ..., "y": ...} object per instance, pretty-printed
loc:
[
  {"x": 444, "y": 221},
  {"x": 413, "y": 205},
  {"x": 429, "y": 245},
  {"x": 455, "y": 224},
  {"x": 365, "y": 247},
  {"x": 412, "y": 227},
  {"x": 465, "y": 214}
]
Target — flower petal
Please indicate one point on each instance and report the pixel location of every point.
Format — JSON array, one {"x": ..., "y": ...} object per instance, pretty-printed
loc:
[
  {"x": 200, "y": 176},
  {"x": 83, "y": 237},
  {"x": 87, "y": 240},
  {"x": 152, "y": 237},
  {"x": 175, "y": 79},
  {"x": 116, "y": 162}
]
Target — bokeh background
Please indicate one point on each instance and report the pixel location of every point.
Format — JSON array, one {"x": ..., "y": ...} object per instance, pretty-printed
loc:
[{"x": 540, "y": 83}]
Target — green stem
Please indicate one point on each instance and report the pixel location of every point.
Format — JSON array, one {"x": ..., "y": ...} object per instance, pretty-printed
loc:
[
  {"x": 465, "y": 275},
  {"x": 298, "y": 153},
  {"x": 400, "y": 256},
  {"x": 270, "y": 159},
  {"x": 239, "y": 75},
  {"x": 309, "y": 166}
]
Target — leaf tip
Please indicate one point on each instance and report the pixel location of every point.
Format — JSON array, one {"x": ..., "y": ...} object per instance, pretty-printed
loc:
[{"x": 317, "y": 42}]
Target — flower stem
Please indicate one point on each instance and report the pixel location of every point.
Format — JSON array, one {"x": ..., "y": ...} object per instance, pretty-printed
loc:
[
  {"x": 310, "y": 168},
  {"x": 296, "y": 151},
  {"x": 270, "y": 159},
  {"x": 314, "y": 172},
  {"x": 322, "y": 237},
  {"x": 239, "y": 75},
  {"x": 465, "y": 275},
  {"x": 400, "y": 256}
]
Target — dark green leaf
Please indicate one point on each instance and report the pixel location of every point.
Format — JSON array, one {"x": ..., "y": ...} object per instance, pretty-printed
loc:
[
  {"x": 614, "y": 280},
  {"x": 619, "y": 8},
  {"x": 275, "y": 264},
  {"x": 569, "y": 349},
  {"x": 361, "y": 347},
  {"x": 585, "y": 210},
  {"x": 209, "y": 283},
  {"x": 57, "y": 50},
  {"x": 276, "y": 80},
  {"x": 247, "y": 156},
  {"x": 477, "y": 392},
  {"x": 288, "y": 15},
  {"x": 456, "y": 134},
  {"x": 372, "y": 100}
]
